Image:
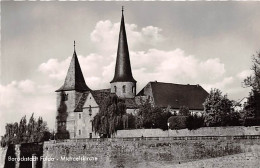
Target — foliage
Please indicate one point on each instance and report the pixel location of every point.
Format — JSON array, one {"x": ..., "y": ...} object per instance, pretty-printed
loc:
[
  {"x": 252, "y": 122},
  {"x": 177, "y": 122},
  {"x": 254, "y": 79},
  {"x": 62, "y": 135},
  {"x": 184, "y": 111},
  {"x": 152, "y": 117},
  {"x": 218, "y": 109},
  {"x": 250, "y": 108},
  {"x": 34, "y": 131},
  {"x": 194, "y": 122},
  {"x": 111, "y": 117},
  {"x": 131, "y": 121}
]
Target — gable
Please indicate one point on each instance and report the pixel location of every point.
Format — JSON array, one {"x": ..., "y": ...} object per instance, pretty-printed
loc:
[
  {"x": 90, "y": 101},
  {"x": 93, "y": 98}
]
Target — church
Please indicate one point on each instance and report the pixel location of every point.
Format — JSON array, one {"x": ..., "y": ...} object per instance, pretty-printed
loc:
[{"x": 77, "y": 104}]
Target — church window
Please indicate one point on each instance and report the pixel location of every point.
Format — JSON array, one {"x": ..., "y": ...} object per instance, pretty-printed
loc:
[
  {"x": 123, "y": 88},
  {"x": 90, "y": 110},
  {"x": 115, "y": 88},
  {"x": 64, "y": 97},
  {"x": 133, "y": 89},
  {"x": 79, "y": 116},
  {"x": 79, "y": 132}
]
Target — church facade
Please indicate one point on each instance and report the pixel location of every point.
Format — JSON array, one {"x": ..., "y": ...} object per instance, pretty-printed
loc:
[{"x": 77, "y": 104}]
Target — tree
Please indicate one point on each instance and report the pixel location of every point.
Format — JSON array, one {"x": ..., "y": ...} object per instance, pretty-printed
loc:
[
  {"x": 195, "y": 122},
  {"x": 152, "y": 117},
  {"x": 254, "y": 79},
  {"x": 31, "y": 132},
  {"x": 218, "y": 109},
  {"x": 184, "y": 111},
  {"x": 111, "y": 117},
  {"x": 252, "y": 108},
  {"x": 177, "y": 122},
  {"x": 22, "y": 130},
  {"x": 34, "y": 131}
]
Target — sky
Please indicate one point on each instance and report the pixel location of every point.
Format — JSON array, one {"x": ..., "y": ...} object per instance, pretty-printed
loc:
[{"x": 205, "y": 43}]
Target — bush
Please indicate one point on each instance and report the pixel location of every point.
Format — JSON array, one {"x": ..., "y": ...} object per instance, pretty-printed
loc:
[
  {"x": 177, "y": 122},
  {"x": 194, "y": 122},
  {"x": 65, "y": 135},
  {"x": 252, "y": 122}
]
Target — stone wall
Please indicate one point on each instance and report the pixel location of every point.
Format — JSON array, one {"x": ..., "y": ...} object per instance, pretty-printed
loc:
[
  {"x": 204, "y": 131},
  {"x": 138, "y": 153}
]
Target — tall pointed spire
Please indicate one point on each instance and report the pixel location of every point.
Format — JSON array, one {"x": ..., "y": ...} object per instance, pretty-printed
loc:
[
  {"x": 74, "y": 79},
  {"x": 123, "y": 72}
]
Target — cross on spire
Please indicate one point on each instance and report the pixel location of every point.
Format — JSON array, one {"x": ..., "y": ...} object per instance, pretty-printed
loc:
[
  {"x": 122, "y": 9},
  {"x": 74, "y": 46}
]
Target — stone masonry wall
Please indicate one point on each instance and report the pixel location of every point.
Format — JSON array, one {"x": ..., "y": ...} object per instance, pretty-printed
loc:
[
  {"x": 204, "y": 131},
  {"x": 137, "y": 153}
]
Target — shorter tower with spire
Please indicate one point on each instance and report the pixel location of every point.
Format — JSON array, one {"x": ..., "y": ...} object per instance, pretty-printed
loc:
[
  {"x": 68, "y": 96},
  {"x": 123, "y": 83}
]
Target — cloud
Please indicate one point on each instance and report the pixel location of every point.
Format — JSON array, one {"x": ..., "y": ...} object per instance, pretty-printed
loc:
[
  {"x": 242, "y": 75},
  {"x": 222, "y": 85},
  {"x": 147, "y": 64},
  {"x": 20, "y": 98},
  {"x": 175, "y": 67},
  {"x": 55, "y": 69},
  {"x": 26, "y": 86},
  {"x": 105, "y": 36},
  {"x": 216, "y": 68},
  {"x": 166, "y": 66}
]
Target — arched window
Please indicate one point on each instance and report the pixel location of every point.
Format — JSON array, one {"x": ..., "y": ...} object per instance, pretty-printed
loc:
[
  {"x": 133, "y": 89},
  {"x": 90, "y": 110},
  {"x": 79, "y": 116},
  {"x": 115, "y": 88},
  {"x": 79, "y": 132},
  {"x": 123, "y": 88}
]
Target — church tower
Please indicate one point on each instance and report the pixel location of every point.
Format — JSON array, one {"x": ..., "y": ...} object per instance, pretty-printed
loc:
[
  {"x": 123, "y": 83},
  {"x": 67, "y": 97}
]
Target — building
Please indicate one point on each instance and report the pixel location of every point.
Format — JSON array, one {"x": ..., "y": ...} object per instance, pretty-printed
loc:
[
  {"x": 173, "y": 96},
  {"x": 77, "y": 104}
]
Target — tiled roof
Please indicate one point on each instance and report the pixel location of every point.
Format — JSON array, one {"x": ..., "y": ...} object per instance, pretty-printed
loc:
[
  {"x": 74, "y": 79},
  {"x": 99, "y": 96},
  {"x": 176, "y": 95},
  {"x": 81, "y": 102},
  {"x": 123, "y": 72}
]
